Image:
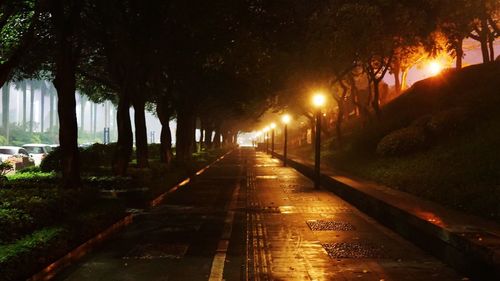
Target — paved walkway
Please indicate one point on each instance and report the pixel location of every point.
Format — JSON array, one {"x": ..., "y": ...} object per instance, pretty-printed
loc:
[{"x": 248, "y": 218}]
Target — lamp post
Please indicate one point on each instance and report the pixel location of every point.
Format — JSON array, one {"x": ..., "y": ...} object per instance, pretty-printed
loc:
[
  {"x": 285, "y": 119},
  {"x": 318, "y": 102},
  {"x": 273, "y": 127}
]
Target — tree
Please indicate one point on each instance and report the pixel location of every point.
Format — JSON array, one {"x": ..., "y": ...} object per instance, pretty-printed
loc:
[
  {"x": 17, "y": 26},
  {"x": 5, "y": 109},
  {"x": 66, "y": 21}
]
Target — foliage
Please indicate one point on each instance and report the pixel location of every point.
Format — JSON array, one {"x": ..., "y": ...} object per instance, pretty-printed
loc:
[
  {"x": 403, "y": 141},
  {"x": 14, "y": 223},
  {"x": 450, "y": 122},
  {"x": 5, "y": 167},
  {"x": 19, "y": 259},
  {"x": 52, "y": 162},
  {"x": 93, "y": 158},
  {"x": 19, "y": 136}
]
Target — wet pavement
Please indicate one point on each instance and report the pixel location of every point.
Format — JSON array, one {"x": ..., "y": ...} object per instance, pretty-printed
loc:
[{"x": 249, "y": 218}]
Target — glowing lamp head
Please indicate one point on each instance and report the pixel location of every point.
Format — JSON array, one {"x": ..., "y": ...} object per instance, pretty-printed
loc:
[
  {"x": 273, "y": 125},
  {"x": 434, "y": 67},
  {"x": 318, "y": 99},
  {"x": 286, "y": 119}
]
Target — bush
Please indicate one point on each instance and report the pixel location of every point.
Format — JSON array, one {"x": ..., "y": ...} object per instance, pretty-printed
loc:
[
  {"x": 52, "y": 162},
  {"x": 33, "y": 208},
  {"x": 449, "y": 122},
  {"x": 5, "y": 167},
  {"x": 91, "y": 158},
  {"x": 19, "y": 260},
  {"x": 96, "y": 155},
  {"x": 28, "y": 176},
  {"x": 13, "y": 223},
  {"x": 110, "y": 182},
  {"x": 403, "y": 141},
  {"x": 29, "y": 170},
  {"x": 154, "y": 150}
]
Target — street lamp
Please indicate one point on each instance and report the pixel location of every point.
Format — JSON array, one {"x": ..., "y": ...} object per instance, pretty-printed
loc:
[
  {"x": 318, "y": 101},
  {"x": 273, "y": 126},
  {"x": 285, "y": 119},
  {"x": 266, "y": 136}
]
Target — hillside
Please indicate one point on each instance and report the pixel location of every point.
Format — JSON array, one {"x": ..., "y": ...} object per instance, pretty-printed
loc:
[{"x": 439, "y": 140}]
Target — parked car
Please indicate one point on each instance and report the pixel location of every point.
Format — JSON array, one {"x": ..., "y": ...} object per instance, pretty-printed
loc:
[
  {"x": 37, "y": 151},
  {"x": 18, "y": 157}
]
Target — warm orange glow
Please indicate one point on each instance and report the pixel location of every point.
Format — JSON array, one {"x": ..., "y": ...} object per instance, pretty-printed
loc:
[
  {"x": 286, "y": 118},
  {"x": 273, "y": 125},
  {"x": 265, "y": 129},
  {"x": 434, "y": 67},
  {"x": 318, "y": 99}
]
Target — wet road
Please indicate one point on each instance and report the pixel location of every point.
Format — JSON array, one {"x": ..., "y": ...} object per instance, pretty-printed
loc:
[{"x": 248, "y": 218}]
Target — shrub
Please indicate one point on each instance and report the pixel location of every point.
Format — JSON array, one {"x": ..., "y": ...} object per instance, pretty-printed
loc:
[
  {"x": 449, "y": 122},
  {"x": 52, "y": 162},
  {"x": 110, "y": 182},
  {"x": 154, "y": 150},
  {"x": 13, "y": 223},
  {"x": 20, "y": 259},
  {"x": 30, "y": 169},
  {"x": 28, "y": 176},
  {"x": 96, "y": 155},
  {"x": 91, "y": 158},
  {"x": 5, "y": 167},
  {"x": 403, "y": 141}
]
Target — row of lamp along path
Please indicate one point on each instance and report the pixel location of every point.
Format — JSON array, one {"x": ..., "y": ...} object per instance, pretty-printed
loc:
[{"x": 318, "y": 102}]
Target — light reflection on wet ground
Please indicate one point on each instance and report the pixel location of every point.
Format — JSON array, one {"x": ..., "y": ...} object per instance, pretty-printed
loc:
[{"x": 317, "y": 236}]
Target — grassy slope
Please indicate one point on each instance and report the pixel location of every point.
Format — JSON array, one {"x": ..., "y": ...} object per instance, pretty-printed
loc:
[{"x": 461, "y": 169}]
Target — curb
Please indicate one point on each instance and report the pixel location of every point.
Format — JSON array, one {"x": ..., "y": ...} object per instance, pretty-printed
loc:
[
  {"x": 456, "y": 248},
  {"x": 79, "y": 252}
]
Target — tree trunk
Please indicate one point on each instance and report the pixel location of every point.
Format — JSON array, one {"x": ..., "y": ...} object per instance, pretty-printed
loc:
[
  {"x": 94, "y": 121},
  {"x": 25, "y": 103},
  {"x": 340, "y": 115},
  {"x": 216, "y": 142},
  {"x": 66, "y": 57},
  {"x": 208, "y": 137},
  {"x": 483, "y": 33},
  {"x": 51, "y": 109},
  {"x": 376, "y": 97},
  {"x": 83, "y": 102},
  {"x": 195, "y": 143},
  {"x": 202, "y": 134},
  {"x": 491, "y": 40},
  {"x": 32, "y": 102},
  {"x": 404, "y": 79},
  {"x": 184, "y": 145},
  {"x": 5, "y": 109},
  {"x": 397, "y": 81},
  {"x": 141, "y": 134},
  {"x": 165, "y": 135},
  {"x": 459, "y": 53},
  {"x": 43, "y": 93},
  {"x": 125, "y": 138}
]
